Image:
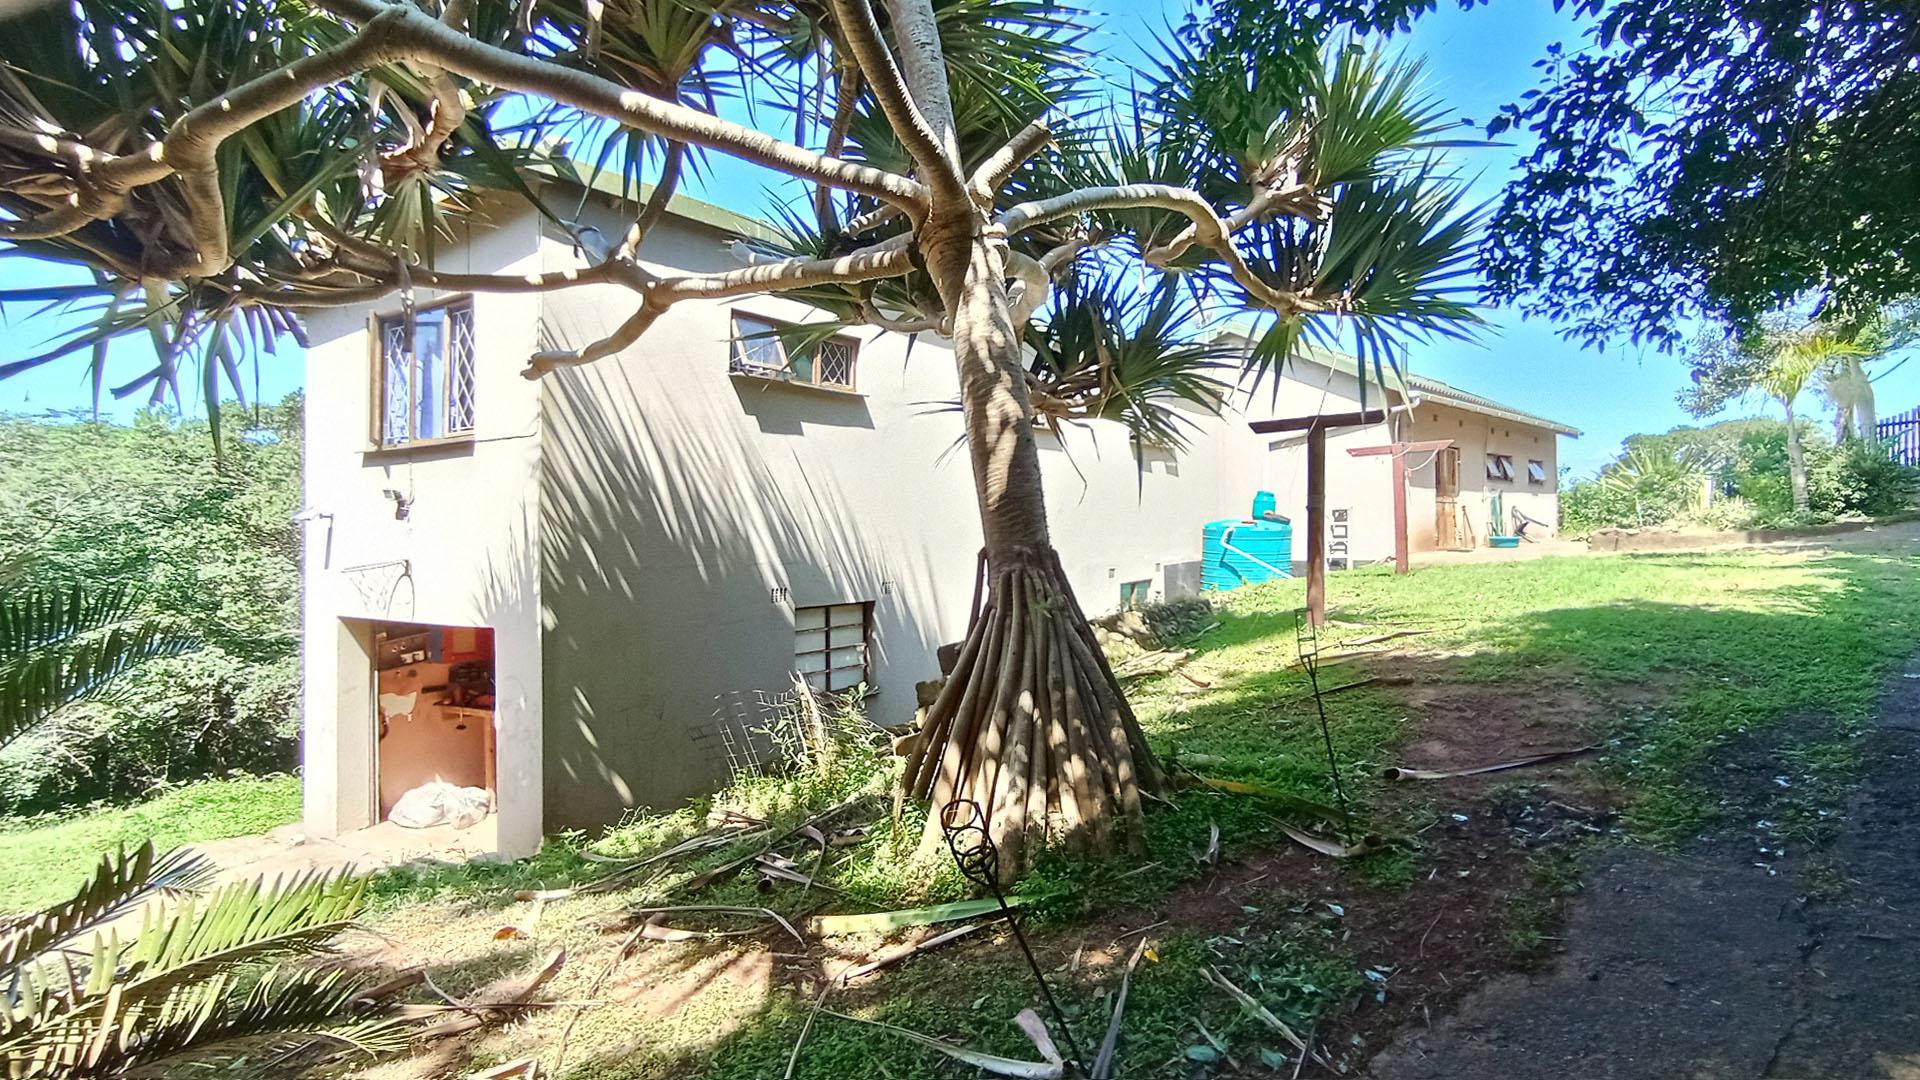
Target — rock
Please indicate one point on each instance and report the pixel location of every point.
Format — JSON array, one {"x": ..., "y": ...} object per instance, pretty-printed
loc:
[
  {"x": 949, "y": 655},
  {"x": 925, "y": 692}
]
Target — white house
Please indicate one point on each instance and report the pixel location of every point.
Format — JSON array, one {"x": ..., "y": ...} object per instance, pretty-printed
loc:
[{"x": 578, "y": 592}]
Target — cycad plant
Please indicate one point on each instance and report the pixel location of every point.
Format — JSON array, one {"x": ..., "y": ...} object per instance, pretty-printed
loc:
[
  {"x": 60, "y": 646},
  {"x": 966, "y": 170},
  {"x": 141, "y": 974}
]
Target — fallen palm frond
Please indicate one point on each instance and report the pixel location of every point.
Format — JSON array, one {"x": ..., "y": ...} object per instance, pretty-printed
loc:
[
  {"x": 652, "y": 929},
  {"x": 1053, "y": 1068},
  {"x": 889, "y": 921},
  {"x": 1103, "y": 1061},
  {"x": 1153, "y": 663},
  {"x": 907, "y": 952},
  {"x": 1272, "y": 794},
  {"x": 1330, "y": 847},
  {"x": 1395, "y": 772},
  {"x": 1375, "y": 639},
  {"x": 808, "y": 829},
  {"x": 476, "y": 1015},
  {"x": 1261, "y": 1013}
]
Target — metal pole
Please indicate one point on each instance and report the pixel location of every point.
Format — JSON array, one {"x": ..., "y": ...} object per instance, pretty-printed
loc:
[{"x": 1317, "y": 525}]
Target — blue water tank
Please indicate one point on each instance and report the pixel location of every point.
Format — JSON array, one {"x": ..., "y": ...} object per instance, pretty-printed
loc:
[{"x": 1242, "y": 551}]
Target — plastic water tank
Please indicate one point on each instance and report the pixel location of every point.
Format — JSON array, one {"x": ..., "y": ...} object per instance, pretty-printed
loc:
[{"x": 1242, "y": 551}]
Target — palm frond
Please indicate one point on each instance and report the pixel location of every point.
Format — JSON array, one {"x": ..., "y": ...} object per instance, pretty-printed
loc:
[
  {"x": 124, "y": 880},
  {"x": 60, "y": 647}
]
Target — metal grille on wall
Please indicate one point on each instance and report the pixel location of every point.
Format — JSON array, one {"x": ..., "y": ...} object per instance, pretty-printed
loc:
[
  {"x": 1901, "y": 433},
  {"x": 460, "y": 392},
  {"x": 833, "y": 362}
]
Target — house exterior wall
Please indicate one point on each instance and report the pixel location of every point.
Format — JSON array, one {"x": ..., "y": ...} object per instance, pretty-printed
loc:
[
  {"x": 639, "y": 532},
  {"x": 465, "y": 555},
  {"x": 686, "y": 513},
  {"x": 1478, "y": 435},
  {"x": 1362, "y": 486}
]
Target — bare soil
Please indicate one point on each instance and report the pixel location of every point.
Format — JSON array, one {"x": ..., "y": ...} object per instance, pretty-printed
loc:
[{"x": 1740, "y": 957}]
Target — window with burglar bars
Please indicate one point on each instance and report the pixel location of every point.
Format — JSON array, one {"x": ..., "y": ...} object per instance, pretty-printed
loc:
[
  {"x": 759, "y": 350},
  {"x": 426, "y": 388},
  {"x": 830, "y": 645}
]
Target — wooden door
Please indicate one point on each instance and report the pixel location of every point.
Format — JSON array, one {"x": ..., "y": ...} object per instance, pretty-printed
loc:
[{"x": 1446, "y": 500}]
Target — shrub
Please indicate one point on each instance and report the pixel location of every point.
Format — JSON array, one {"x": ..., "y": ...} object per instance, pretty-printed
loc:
[
  {"x": 207, "y": 542},
  {"x": 1649, "y": 485}
]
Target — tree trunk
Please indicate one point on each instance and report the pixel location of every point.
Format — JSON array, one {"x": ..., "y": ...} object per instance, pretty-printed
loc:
[
  {"x": 1796, "y": 462},
  {"x": 1031, "y": 723}
]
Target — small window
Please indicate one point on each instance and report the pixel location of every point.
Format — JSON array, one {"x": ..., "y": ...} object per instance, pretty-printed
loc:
[
  {"x": 1536, "y": 472},
  {"x": 760, "y": 351},
  {"x": 830, "y": 645},
  {"x": 1135, "y": 594},
  {"x": 426, "y": 391},
  {"x": 1499, "y": 467}
]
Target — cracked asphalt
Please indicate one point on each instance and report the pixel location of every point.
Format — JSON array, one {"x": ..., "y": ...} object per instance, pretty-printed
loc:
[{"x": 1702, "y": 965}]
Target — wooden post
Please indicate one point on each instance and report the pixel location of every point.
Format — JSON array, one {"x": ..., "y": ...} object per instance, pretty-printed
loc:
[
  {"x": 1317, "y": 526},
  {"x": 1399, "y": 451},
  {"x": 1400, "y": 508}
]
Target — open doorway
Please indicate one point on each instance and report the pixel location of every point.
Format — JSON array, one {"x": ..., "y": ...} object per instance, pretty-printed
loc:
[{"x": 433, "y": 721}]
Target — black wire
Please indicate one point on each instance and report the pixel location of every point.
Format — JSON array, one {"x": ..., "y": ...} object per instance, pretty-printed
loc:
[
  {"x": 1304, "y": 635},
  {"x": 971, "y": 845}
]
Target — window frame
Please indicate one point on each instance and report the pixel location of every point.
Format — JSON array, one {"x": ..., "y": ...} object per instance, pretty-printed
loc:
[
  {"x": 738, "y": 366},
  {"x": 377, "y": 324},
  {"x": 826, "y": 651},
  {"x": 1500, "y": 467},
  {"x": 1537, "y": 465}
]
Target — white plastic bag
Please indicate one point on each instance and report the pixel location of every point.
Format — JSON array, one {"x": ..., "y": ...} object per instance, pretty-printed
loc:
[{"x": 439, "y": 803}]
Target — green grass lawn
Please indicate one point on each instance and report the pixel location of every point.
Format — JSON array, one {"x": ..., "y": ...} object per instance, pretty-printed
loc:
[
  {"x": 1679, "y": 656},
  {"x": 43, "y": 859}
]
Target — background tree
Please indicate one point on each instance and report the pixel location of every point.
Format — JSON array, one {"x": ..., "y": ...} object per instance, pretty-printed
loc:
[
  {"x": 1778, "y": 360},
  {"x": 202, "y": 545},
  {"x": 247, "y": 158},
  {"x": 1720, "y": 159}
]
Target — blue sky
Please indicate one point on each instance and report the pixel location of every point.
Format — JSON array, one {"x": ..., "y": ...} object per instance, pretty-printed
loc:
[{"x": 1477, "y": 60}]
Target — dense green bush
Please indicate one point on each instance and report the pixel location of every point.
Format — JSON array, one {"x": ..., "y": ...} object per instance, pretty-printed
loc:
[
  {"x": 209, "y": 543},
  {"x": 1746, "y": 463},
  {"x": 1646, "y": 486}
]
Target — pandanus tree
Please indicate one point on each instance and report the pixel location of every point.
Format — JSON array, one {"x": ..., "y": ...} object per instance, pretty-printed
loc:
[{"x": 222, "y": 164}]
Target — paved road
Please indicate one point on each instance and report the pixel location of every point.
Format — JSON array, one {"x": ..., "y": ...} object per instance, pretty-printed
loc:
[{"x": 1702, "y": 966}]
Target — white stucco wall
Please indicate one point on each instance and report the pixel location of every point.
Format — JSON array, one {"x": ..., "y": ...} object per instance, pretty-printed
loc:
[
  {"x": 468, "y": 544},
  {"x": 638, "y": 532},
  {"x": 678, "y": 500}
]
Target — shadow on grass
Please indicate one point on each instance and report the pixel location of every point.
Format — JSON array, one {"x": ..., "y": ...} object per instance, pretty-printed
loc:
[{"x": 1674, "y": 660}]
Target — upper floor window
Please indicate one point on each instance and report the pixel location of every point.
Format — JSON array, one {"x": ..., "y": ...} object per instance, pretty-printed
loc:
[
  {"x": 760, "y": 349},
  {"x": 1499, "y": 466},
  {"x": 1536, "y": 472},
  {"x": 425, "y": 392}
]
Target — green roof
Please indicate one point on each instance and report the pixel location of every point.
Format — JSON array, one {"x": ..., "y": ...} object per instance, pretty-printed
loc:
[
  {"x": 1429, "y": 389},
  {"x": 611, "y": 183}
]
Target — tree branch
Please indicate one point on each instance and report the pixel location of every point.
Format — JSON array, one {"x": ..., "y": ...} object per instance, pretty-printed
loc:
[
  {"x": 869, "y": 50},
  {"x": 425, "y": 38},
  {"x": 887, "y": 259},
  {"x": 993, "y": 173},
  {"x": 1208, "y": 230}
]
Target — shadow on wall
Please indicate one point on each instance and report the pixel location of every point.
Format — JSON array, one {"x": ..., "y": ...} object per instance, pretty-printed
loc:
[{"x": 681, "y": 523}]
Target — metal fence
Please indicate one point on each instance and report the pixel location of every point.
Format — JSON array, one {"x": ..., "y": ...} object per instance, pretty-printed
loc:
[{"x": 1901, "y": 433}]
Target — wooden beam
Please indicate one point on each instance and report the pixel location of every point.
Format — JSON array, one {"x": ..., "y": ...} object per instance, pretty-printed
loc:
[
  {"x": 1319, "y": 423},
  {"x": 1400, "y": 451},
  {"x": 1401, "y": 448},
  {"x": 1317, "y": 526}
]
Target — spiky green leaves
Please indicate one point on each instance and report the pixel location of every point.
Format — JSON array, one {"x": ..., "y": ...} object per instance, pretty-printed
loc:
[
  {"x": 199, "y": 982},
  {"x": 59, "y": 647}
]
